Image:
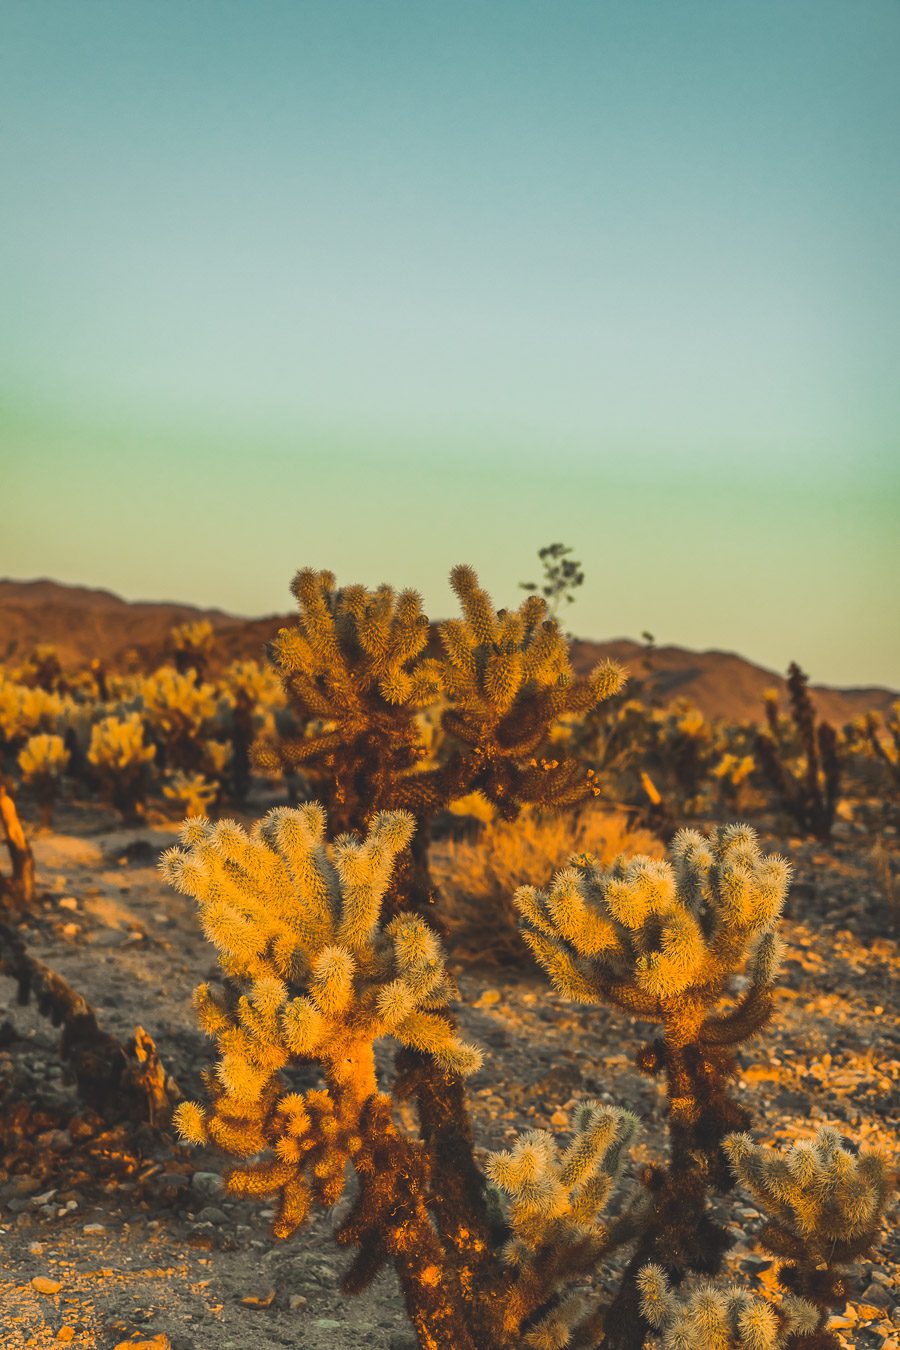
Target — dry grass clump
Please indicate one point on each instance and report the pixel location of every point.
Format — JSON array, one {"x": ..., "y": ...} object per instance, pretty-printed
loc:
[{"x": 477, "y": 876}]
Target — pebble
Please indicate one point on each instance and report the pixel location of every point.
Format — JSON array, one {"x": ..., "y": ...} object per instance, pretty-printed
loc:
[
  {"x": 876, "y": 1294},
  {"x": 212, "y": 1214},
  {"x": 297, "y": 1302},
  {"x": 44, "y": 1285},
  {"x": 207, "y": 1184},
  {"x": 90, "y": 1228}
]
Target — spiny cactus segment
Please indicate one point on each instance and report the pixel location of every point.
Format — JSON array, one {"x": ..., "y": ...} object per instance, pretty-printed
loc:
[
  {"x": 300, "y": 926},
  {"x": 719, "y": 1318},
  {"x": 660, "y": 938}
]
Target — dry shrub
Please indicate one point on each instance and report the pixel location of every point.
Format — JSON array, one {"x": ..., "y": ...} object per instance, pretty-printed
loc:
[{"x": 477, "y": 876}]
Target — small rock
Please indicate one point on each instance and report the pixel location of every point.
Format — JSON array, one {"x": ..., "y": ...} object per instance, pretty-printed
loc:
[
  {"x": 65, "y": 1335},
  {"x": 297, "y": 1302},
  {"x": 36, "y": 1249},
  {"x": 44, "y": 1285},
  {"x": 91, "y": 1228},
  {"x": 68, "y": 902},
  {"x": 173, "y": 1181},
  {"x": 326, "y": 1324},
  {"x": 208, "y": 1184},
  {"x": 212, "y": 1214},
  {"x": 877, "y": 1295},
  {"x": 488, "y": 998},
  {"x": 260, "y": 1300}
]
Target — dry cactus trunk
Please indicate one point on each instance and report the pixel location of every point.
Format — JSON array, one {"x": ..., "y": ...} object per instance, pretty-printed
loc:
[
  {"x": 119, "y": 1082},
  {"x": 20, "y": 887}
]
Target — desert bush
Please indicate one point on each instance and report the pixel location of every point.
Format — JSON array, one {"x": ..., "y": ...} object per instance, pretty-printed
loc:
[
  {"x": 477, "y": 875},
  {"x": 43, "y": 761}
]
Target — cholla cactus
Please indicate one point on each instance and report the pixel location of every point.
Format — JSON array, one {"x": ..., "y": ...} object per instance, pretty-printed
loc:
[
  {"x": 26, "y": 712},
  {"x": 358, "y": 679},
  {"x": 809, "y": 791},
  {"x": 191, "y": 791},
  {"x": 555, "y": 1194},
  {"x": 43, "y": 762},
  {"x": 354, "y": 664},
  {"x": 556, "y": 1216},
  {"x": 661, "y": 939},
  {"x": 885, "y": 747},
  {"x": 732, "y": 772},
  {"x": 508, "y": 679},
  {"x": 121, "y": 760},
  {"x": 324, "y": 980},
  {"x": 43, "y": 669},
  {"x": 724, "y": 1318},
  {"x": 179, "y": 713},
  {"x": 299, "y": 926},
  {"x": 320, "y": 977},
  {"x": 252, "y": 695},
  {"x": 191, "y": 646},
  {"x": 825, "y": 1202}
]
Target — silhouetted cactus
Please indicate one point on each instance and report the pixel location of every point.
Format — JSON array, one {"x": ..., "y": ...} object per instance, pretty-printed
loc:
[{"x": 810, "y": 794}]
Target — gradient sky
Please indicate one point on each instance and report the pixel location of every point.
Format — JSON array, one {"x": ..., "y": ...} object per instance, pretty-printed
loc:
[{"x": 380, "y": 287}]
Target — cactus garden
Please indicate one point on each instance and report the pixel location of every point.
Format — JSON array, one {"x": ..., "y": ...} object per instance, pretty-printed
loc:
[{"x": 403, "y": 988}]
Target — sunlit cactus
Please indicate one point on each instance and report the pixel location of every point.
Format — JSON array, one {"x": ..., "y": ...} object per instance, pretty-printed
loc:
[
  {"x": 883, "y": 740},
  {"x": 825, "y": 1201},
  {"x": 179, "y": 713},
  {"x": 300, "y": 926},
  {"x": 709, "y": 1317},
  {"x": 507, "y": 678},
  {"x": 120, "y": 761},
  {"x": 252, "y": 694},
  {"x": 191, "y": 792},
  {"x": 43, "y": 761},
  {"x": 354, "y": 667},
  {"x": 661, "y": 940},
  {"x": 806, "y": 774},
  {"x": 191, "y": 646},
  {"x": 43, "y": 669},
  {"x": 731, "y": 772},
  {"x": 26, "y": 711},
  {"x": 555, "y": 1193}
]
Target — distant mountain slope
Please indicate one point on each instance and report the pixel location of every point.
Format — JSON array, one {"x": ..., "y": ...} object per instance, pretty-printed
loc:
[{"x": 83, "y": 623}]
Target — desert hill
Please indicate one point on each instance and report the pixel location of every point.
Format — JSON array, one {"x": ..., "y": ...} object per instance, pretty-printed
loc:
[{"x": 84, "y": 623}]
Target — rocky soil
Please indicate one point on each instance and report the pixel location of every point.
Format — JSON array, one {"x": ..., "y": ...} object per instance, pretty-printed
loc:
[{"x": 110, "y": 1235}]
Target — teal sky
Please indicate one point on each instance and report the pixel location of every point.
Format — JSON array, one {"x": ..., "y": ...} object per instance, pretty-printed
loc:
[{"x": 381, "y": 287}]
